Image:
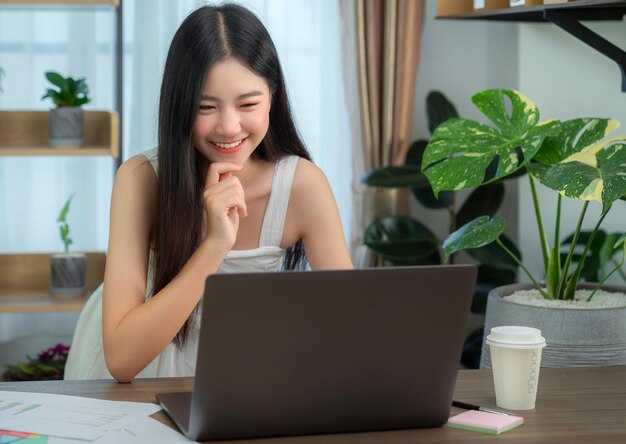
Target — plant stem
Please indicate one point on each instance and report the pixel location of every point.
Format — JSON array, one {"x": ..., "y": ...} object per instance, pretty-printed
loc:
[
  {"x": 542, "y": 234},
  {"x": 583, "y": 257},
  {"x": 452, "y": 227},
  {"x": 554, "y": 261},
  {"x": 519, "y": 263},
  {"x": 570, "y": 254},
  {"x": 619, "y": 266}
]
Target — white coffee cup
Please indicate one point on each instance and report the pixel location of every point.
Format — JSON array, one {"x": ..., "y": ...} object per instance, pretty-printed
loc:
[{"x": 515, "y": 361}]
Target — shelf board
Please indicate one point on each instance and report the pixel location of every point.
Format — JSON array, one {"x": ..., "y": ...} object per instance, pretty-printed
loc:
[
  {"x": 25, "y": 133},
  {"x": 40, "y": 301},
  {"x": 583, "y": 9},
  {"x": 56, "y": 151},
  {"x": 25, "y": 284}
]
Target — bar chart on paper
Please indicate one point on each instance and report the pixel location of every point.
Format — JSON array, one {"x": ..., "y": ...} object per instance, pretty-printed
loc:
[{"x": 67, "y": 416}]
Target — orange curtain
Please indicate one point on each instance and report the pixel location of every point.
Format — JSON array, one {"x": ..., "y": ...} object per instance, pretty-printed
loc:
[{"x": 381, "y": 42}]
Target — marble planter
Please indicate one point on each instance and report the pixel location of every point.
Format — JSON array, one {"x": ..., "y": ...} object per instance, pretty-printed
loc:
[
  {"x": 574, "y": 337},
  {"x": 66, "y": 126},
  {"x": 68, "y": 273}
]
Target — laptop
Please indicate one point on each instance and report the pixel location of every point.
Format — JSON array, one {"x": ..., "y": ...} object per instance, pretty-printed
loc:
[{"x": 312, "y": 352}]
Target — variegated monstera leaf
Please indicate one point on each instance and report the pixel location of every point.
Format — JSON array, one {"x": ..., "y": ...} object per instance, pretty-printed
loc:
[
  {"x": 576, "y": 165},
  {"x": 460, "y": 150}
]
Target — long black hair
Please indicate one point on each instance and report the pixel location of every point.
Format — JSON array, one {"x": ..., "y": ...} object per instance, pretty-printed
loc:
[{"x": 207, "y": 36}]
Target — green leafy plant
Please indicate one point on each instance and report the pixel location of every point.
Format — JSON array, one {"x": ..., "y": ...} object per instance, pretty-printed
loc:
[
  {"x": 567, "y": 157},
  {"x": 70, "y": 92},
  {"x": 403, "y": 240},
  {"x": 50, "y": 364},
  {"x": 64, "y": 226}
]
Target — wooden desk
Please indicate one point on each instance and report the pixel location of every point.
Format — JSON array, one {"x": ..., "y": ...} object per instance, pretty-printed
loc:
[{"x": 574, "y": 405}]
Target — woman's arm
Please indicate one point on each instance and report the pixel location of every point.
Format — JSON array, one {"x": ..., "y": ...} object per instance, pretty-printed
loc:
[
  {"x": 135, "y": 331},
  {"x": 314, "y": 216}
]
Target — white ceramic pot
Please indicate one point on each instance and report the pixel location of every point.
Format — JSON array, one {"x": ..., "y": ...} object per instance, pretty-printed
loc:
[{"x": 574, "y": 337}]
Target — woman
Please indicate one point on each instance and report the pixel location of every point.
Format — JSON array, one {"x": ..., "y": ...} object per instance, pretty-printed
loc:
[{"x": 231, "y": 189}]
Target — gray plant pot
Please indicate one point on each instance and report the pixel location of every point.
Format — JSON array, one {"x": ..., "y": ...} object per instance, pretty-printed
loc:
[
  {"x": 574, "y": 337},
  {"x": 68, "y": 273},
  {"x": 66, "y": 126}
]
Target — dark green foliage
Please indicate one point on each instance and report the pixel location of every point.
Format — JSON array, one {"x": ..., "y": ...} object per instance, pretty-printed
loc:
[
  {"x": 50, "y": 364},
  {"x": 70, "y": 92}
]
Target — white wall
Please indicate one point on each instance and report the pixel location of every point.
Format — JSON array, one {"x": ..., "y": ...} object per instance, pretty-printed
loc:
[{"x": 563, "y": 76}]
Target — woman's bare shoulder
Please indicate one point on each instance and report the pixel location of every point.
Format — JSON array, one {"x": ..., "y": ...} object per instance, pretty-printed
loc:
[
  {"x": 308, "y": 175},
  {"x": 136, "y": 171}
]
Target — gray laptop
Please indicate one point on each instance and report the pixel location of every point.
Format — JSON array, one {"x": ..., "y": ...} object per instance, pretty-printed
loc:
[{"x": 311, "y": 352}]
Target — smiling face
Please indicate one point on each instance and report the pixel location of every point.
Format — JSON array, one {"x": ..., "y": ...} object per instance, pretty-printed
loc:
[{"x": 233, "y": 115}]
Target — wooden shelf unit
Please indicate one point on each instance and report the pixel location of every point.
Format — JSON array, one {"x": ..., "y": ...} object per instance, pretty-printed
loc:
[
  {"x": 25, "y": 133},
  {"x": 25, "y": 284}
]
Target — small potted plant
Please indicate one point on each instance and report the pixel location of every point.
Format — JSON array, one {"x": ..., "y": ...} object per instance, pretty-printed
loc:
[
  {"x": 67, "y": 119},
  {"x": 569, "y": 158},
  {"x": 68, "y": 269}
]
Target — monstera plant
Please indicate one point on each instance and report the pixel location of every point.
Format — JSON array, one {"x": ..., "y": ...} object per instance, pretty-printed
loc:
[
  {"x": 404, "y": 240},
  {"x": 569, "y": 157}
]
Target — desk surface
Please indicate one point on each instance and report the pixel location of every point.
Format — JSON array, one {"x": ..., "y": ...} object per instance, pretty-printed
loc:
[{"x": 574, "y": 405}]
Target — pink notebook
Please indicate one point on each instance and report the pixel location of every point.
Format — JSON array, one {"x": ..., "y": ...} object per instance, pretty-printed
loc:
[{"x": 485, "y": 422}]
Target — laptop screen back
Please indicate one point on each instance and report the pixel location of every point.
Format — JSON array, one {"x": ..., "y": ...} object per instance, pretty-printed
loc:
[{"x": 329, "y": 351}]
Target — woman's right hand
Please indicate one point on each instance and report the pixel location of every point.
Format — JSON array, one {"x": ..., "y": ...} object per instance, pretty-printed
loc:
[{"x": 224, "y": 202}]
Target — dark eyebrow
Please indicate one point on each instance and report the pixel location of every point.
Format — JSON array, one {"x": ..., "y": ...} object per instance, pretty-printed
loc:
[{"x": 241, "y": 97}]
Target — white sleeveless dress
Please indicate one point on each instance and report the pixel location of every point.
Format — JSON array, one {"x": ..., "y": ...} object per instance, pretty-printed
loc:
[{"x": 86, "y": 357}]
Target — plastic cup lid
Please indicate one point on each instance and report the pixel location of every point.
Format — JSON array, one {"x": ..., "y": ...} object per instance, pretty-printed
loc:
[{"x": 516, "y": 337}]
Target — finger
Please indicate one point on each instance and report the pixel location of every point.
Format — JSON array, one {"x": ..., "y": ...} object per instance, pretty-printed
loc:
[{"x": 218, "y": 168}]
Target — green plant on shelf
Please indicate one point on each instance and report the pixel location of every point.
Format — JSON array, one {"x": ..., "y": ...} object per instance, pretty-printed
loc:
[
  {"x": 64, "y": 227},
  {"x": 69, "y": 92}
]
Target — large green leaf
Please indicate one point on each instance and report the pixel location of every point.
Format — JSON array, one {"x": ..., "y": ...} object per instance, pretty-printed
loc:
[
  {"x": 396, "y": 177},
  {"x": 400, "y": 239},
  {"x": 596, "y": 174},
  {"x": 494, "y": 256},
  {"x": 475, "y": 234},
  {"x": 574, "y": 136},
  {"x": 425, "y": 195},
  {"x": 461, "y": 150},
  {"x": 57, "y": 80},
  {"x": 485, "y": 200},
  {"x": 438, "y": 110}
]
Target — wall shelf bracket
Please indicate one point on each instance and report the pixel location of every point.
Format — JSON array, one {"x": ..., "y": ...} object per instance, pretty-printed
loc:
[{"x": 573, "y": 26}]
